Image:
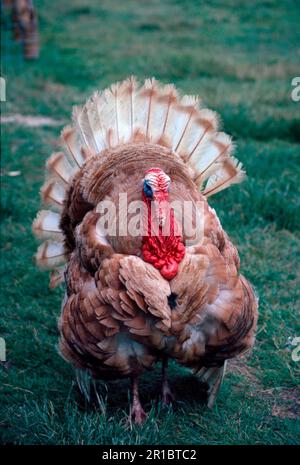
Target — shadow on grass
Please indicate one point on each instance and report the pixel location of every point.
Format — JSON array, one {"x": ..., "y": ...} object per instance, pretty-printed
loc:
[{"x": 187, "y": 390}]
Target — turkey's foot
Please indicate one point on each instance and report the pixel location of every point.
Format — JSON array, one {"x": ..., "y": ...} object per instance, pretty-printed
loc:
[
  {"x": 137, "y": 413},
  {"x": 167, "y": 397},
  {"x": 83, "y": 379},
  {"x": 213, "y": 377}
]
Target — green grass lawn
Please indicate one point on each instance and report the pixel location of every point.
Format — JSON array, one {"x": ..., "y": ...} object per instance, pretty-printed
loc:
[{"x": 240, "y": 57}]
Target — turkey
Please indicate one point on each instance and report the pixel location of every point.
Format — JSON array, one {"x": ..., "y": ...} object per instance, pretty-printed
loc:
[{"x": 150, "y": 275}]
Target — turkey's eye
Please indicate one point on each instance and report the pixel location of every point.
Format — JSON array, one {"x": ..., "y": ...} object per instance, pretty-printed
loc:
[{"x": 148, "y": 189}]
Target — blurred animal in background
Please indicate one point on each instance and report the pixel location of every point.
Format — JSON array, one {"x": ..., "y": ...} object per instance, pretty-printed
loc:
[
  {"x": 132, "y": 300},
  {"x": 25, "y": 23}
]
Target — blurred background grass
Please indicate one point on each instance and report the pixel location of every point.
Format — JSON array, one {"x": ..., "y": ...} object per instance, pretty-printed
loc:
[{"x": 240, "y": 58}]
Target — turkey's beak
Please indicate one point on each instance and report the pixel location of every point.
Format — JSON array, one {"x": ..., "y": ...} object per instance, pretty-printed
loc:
[{"x": 160, "y": 207}]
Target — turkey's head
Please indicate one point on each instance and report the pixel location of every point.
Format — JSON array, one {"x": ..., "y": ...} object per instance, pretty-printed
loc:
[
  {"x": 162, "y": 244},
  {"x": 156, "y": 187}
]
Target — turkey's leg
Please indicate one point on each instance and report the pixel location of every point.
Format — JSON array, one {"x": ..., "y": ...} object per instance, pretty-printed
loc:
[
  {"x": 214, "y": 387},
  {"x": 213, "y": 377},
  {"x": 166, "y": 393},
  {"x": 137, "y": 413}
]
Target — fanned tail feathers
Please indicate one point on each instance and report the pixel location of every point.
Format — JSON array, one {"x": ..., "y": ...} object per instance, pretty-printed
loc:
[{"x": 129, "y": 113}]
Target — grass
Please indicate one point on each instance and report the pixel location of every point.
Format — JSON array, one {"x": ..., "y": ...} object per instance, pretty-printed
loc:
[{"x": 241, "y": 59}]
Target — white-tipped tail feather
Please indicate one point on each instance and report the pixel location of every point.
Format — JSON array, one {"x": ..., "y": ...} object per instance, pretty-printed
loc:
[
  {"x": 59, "y": 167},
  {"x": 50, "y": 254},
  {"x": 53, "y": 193},
  {"x": 46, "y": 225},
  {"x": 229, "y": 172},
  {"x": 72, "y": 143},
  {"x": 57, "y": 277}
]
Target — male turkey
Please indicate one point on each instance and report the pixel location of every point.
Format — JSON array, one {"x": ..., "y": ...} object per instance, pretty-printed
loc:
[{"x": 136, "y": 296}]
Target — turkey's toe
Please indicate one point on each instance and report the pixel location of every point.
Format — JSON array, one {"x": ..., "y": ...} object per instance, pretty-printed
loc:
[
  {"x": 167, "y": 397},
  {"x": 137, "y": 414}
]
